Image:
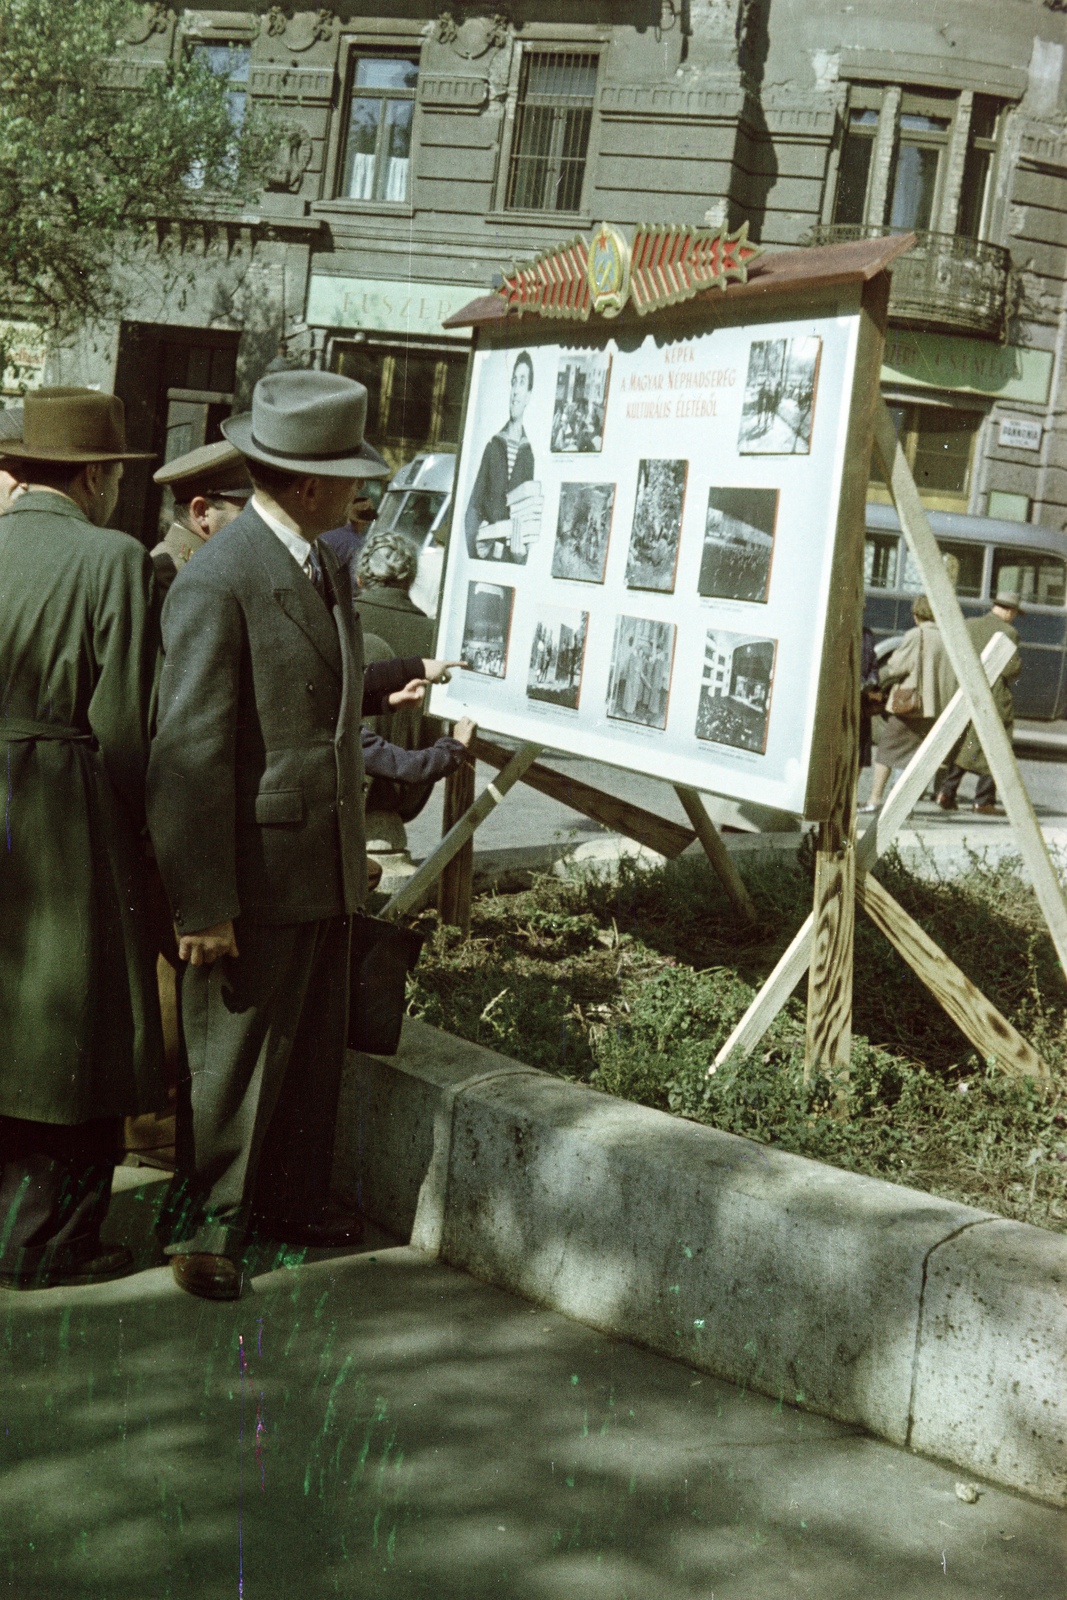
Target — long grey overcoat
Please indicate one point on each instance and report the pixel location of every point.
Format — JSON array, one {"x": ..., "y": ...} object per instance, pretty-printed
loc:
[{"x": 79, "y": 650}]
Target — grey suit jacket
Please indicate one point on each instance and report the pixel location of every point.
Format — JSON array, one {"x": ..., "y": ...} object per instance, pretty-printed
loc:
[{"x": 255, "y": 780}]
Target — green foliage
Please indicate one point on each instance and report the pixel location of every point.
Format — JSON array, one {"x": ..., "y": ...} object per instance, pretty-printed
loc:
[
  {"x": 633, "y": 984},
  {"x": 86, "y": 166}
]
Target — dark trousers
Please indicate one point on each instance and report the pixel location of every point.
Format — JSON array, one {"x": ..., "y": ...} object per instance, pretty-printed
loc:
[
  {"x": 263, "y": 1042},
  {"x": 55, "y": 1188},
  {"x": 985, "y": 794}
]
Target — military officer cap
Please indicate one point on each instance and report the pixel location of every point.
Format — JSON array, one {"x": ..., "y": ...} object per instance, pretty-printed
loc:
[{"x": 214, "y": 470}]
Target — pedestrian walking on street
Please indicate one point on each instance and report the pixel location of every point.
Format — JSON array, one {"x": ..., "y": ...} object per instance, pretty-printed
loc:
[
  {"x": 255, "y": 801},
  {"x": 968, "y": 755},
  {"x": 79, "y": 1014},
  {"x": 921, "y": 682}
]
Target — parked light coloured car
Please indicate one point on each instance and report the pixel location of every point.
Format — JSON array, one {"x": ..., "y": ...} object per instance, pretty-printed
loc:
[{"x": 417, "y": 503}]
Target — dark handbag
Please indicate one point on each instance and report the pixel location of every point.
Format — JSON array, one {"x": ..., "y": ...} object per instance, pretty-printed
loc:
[{"x": 383, "y": 953}]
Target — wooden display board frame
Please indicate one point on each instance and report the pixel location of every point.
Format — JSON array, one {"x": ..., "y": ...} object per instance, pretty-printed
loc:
[{"x": 805, "y": 282}]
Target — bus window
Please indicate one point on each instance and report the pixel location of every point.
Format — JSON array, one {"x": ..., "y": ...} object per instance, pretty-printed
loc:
[
  {"x": 971, "y": 558},
  {"x": 880, "y": 560},
  {"x": 1038, "y": 578},
  {"x": 969, "y": 581}
]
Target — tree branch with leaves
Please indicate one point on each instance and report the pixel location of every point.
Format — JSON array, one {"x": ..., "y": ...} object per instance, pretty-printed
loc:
[{"x": 86, "y": 167}]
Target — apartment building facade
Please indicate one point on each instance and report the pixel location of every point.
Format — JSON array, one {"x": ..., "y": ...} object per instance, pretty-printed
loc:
[{"x": 423, "y": 148}]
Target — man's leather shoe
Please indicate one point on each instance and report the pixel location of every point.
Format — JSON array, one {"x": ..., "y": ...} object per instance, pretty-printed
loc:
[
  {"x": 210, "y": 1277},
  {"x": 333, "y": 1227},
  {"x": 947, "y": 802},
  {"x": 986, "y": 811}
]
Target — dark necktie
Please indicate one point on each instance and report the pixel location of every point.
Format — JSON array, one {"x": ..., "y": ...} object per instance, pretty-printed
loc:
[{"x": 313, "y": 571}]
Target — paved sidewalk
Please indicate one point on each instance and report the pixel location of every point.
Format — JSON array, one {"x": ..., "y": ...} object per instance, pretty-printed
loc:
[
  {"x": 377, "y": 1425},
  {"x": 932, "y": 839}
]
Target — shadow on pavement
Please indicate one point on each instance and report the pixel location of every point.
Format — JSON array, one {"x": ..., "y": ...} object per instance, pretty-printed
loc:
[{"x": 380, "y": 1425}]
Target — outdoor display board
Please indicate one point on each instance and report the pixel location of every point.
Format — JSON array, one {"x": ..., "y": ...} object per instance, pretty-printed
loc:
[{"x": 642, "y": 543}]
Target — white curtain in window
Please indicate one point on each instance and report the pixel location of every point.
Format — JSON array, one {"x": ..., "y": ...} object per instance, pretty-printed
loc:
[
  {"x": 396, "y": 178},
  {"x": 361, "y": 178}
]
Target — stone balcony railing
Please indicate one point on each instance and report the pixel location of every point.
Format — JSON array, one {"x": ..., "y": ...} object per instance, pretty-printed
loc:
[{"x": 945, "y": 281}]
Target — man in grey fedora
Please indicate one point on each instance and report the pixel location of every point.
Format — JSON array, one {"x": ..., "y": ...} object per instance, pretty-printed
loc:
[
  {"x": 968, "y": 755},
  {"x": 255, "y": 804},
  {"x": 79, "y": 1014}
]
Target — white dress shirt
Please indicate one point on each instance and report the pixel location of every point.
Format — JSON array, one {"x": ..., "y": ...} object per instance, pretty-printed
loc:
[{"x": 298, "y": 547}]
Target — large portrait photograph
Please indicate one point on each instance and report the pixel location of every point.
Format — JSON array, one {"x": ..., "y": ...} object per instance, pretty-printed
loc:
[
  {"x": 778, "y": 407},
  {"x": 657, "y": 526},
  {"x": 487, "y": 628},
  {"x": 642, "y": 657},
  {"x": 503, "y": 514},
  {"x": 583, "y": 528},
  {"x": 735, "y": 690},
  {"x": 738, "y": 544},
  {"x": 581, "y": 402},
  {"x": 556, "y": 656}
]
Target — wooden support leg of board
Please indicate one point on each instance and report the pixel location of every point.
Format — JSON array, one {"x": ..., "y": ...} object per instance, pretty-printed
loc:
[
  {"x": 456, "y": 837},
  {"x": 991, "y": 1034},
  {"x": 879, "y": 835},
  {"x": 716, "y": 851},
  {"x": 456, "y": 884},
  {"x": 667, "y": 838},
  {"x": 828, "y": 1040}
]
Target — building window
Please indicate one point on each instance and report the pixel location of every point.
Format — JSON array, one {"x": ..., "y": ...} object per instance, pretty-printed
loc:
[
  {"x": 414, "y": 397},
  {"x": 231, "y": 62},
  {"x": 553, "y": 118},
  {"x": 1040, "y": 579},
  {"x": 377, "y": 163},
  {"x": 939, "y": 446},
  {"x": 918, "y": 163},
  {"x": 893, "y": 167},
  {"x": 980, "y": 150},
  {"x": 854, "y": 169}
]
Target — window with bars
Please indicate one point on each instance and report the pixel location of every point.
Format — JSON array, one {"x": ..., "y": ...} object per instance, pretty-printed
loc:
[
  {"x": 553, "y": 118},
  {"x": 377, "y": 164}
]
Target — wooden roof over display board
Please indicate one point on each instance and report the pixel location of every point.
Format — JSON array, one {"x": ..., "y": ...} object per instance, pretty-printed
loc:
[{"x": 785, "y": 274}]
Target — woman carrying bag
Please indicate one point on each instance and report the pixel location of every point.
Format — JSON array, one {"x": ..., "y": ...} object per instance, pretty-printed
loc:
[{"x": 921, "y": 682}]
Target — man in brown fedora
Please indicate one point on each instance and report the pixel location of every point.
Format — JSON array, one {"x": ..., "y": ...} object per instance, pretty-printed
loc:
[
  {"x": 255, "y": 803},
  {"x": 79, "y": 1015}
]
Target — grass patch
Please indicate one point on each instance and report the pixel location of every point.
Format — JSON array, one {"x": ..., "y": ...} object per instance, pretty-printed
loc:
[{"x": 632, "y": 985}]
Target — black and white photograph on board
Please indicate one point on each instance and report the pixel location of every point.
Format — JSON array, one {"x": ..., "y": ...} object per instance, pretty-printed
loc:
[
  {"x": 583, "y": 528},
  {"x": 738, "y": 544},
  {"x": 642, "y": 657},
  {"x": 503, "y": 517},
  {"x": 487, "y": 628},
  {"x": 657, "y": 525},
  {"x": 581, "y": 401},
  {"x": 778, "y": 407},
  {"x": 556, "y": 656},
  {"x": 735, "y": 690}
]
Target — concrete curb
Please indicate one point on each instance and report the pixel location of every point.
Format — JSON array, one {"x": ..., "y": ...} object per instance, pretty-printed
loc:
[{"x": 927, "y": 1323}]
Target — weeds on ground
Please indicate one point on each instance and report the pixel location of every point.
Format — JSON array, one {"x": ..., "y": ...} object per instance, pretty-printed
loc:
[{"x": 633, "y": 984}]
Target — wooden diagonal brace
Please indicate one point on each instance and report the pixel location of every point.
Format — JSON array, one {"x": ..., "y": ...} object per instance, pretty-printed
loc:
[
  {"x": 666, "y": 838},
  {"x": 974, "y": 1015},
  {"x": 920, "y": 770},
  {"x": 716, "y": 851}
]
